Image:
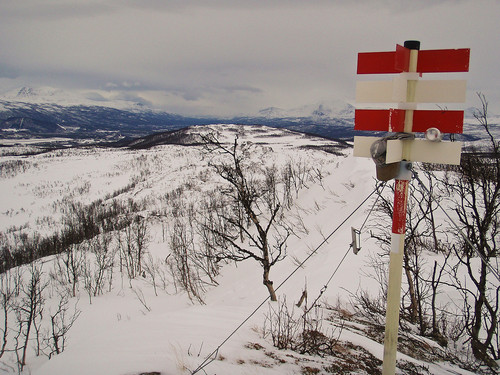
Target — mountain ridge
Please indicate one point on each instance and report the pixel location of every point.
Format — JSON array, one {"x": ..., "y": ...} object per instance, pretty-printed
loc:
[
  {"x": 49, "y": 112},
  {"x": 20, "y": 118}
]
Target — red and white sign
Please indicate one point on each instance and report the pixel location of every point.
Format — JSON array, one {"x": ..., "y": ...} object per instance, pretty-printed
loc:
[{"x": 407, "y": 118}]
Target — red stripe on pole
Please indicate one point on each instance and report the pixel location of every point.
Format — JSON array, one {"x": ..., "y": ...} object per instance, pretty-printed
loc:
[
  {"x": 399, "y": 208},
  {"x": 445, "y": 121},
  {"x": 379, "y": 119},
  {"x": 443, "y": 60}
]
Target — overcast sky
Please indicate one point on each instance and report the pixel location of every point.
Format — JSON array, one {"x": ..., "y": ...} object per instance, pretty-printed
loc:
[{"x": 226, "y": 57}]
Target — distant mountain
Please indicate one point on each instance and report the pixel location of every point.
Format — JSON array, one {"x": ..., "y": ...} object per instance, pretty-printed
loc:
[
  {"x": 322, "y": 111},
  {"x": 51, "y": 95},
  {"x": 335, "y": 120},
  {"x": 26, "y": 92},
  {"x": 21, "y": 119},
  {"x": 49, "y": 112}
]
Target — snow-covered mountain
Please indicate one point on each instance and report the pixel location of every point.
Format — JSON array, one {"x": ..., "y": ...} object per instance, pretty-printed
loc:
[
  {"x": 32, "y": 117},
  {"x": 52, "y": 95},
  {"x": 49, "y": 111},
  {"x": 322, "y": 111}
]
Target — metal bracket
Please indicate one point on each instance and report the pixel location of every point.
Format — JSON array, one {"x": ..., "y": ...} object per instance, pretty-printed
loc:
[
  {"x": 355, "y": 240},
  {"x": 405, "y": 171}
]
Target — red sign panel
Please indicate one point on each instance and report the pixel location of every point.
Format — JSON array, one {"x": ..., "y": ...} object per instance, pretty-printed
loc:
[
  {"x": 378, "y": 63},
  {"x": 402, "y": 58},
  {"x": 443, "y": 60},
  {"x": 430, "y": 61},
  {"x": 445, "y": 121},
  {"x": 393, "y": 120}
]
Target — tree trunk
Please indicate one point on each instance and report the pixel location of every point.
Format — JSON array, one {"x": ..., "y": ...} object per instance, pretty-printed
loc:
[
  {"x": 411, "y": 290},
  {"x": 268, "y": 283},
  {"x": 435, "y": 329},
  {"x": 479, "y": 348}
]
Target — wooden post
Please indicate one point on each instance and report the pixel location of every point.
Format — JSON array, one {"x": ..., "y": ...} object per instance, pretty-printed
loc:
[{"x": 398, "y": 234}]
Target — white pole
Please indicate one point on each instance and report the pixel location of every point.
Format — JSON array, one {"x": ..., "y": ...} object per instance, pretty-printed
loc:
[{"x": 398, "y": 235}]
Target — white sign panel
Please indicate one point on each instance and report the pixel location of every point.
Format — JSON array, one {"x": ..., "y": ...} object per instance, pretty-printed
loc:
[
  {"x": 420, "y": 150},
  {"x": 439, "y": 91},
  {"x": 425, "y": 151}
]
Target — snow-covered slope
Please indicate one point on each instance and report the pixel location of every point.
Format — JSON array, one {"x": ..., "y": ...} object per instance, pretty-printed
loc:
[{"x": 128, "y": 329}]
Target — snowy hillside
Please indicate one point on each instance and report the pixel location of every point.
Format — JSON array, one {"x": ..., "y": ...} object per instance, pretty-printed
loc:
[{"x": 143, "y": 321}]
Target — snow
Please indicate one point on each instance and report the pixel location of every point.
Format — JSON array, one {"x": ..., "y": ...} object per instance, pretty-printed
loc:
[{"x": 117, "y": 334}]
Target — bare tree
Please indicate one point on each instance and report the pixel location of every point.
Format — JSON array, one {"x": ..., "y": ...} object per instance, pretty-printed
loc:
[
  {"x": 424, "y": 282},
  {"x": 474, "y": 188},
  {"x": 132, "y": 245},
  {"x": 68, "y": 267},
  {"x": 419, "y": 229},
  {"x": 98, "y": 264},
  {"x": 152, "y": 269},
  {"x": 253, "y": 191},
  {"x": 437, "y": 273},
  {"x": 61, "y": 321},
  {"x": 7, "y": 295},
  {"x": 29, "y": 311},
  {"x": 141, "y": 238},
  {"x": 104, "y": 260},
  {"x": 183, "y": 270}
]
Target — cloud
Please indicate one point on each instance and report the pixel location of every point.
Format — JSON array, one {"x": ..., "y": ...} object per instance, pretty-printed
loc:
[
  {"x": 53, "y": 9},
  {"x": 96, "y": 97},
  {"x": 230, "y": 55},
  {"x": 131, "y": 97},
  {"x": 8, "y": 71}
]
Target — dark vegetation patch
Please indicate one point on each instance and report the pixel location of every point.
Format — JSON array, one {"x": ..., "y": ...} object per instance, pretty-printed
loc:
[
  {"x": 329, "y": 149},
  {"x": 82, "y": 222},
  {"x": 176, "y": 137},
  {"x": 346, "y": 358}
]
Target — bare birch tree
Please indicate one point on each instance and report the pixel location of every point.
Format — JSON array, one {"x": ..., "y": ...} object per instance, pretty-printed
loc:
[
  {"x": 474, "y": 188},
  {"x": 260, "y": 233}
]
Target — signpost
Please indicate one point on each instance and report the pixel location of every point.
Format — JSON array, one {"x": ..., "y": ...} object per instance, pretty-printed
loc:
[{"x": 407, "y": 90}]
